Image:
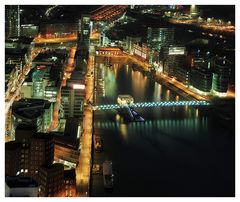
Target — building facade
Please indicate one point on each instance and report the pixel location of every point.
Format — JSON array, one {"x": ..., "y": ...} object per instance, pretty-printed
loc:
[
  {"x": 201, "y": 80},
  {"x": 12, "y": 158},
  {"x": 158, "y": 38},
  {"x": 51, "y": 180},
  {"x": 12, "y": 21},
  {"x": 221, "y": 75}
]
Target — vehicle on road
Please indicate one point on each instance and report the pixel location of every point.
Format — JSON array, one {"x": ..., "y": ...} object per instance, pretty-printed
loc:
[{"x": 107, "y": 174}]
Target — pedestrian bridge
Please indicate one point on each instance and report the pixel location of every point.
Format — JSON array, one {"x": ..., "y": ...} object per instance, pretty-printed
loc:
[{"x": 152, "y": 104}]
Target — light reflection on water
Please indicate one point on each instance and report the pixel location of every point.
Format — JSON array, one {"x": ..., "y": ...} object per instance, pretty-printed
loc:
[{"x": 183, "y": 122}]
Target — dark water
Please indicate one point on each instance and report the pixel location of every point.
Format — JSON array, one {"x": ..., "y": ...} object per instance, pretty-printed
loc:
[{"x": 177, "y": 151}]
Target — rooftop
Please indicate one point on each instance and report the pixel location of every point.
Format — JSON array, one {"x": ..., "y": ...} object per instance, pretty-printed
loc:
[
  {"x": 12, "y": 145},
  {"x": 30, "y": 108},
  {"x": 70, "y": 174},
  {"x": 14, "y": 182}
]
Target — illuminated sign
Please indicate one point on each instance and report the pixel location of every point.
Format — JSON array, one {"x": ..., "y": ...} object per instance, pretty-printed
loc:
[
  {"x": 176, "y": 50},
  {"x": 79, "y": 86}
]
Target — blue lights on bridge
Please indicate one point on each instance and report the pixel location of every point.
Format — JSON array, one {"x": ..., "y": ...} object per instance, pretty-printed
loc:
[{"x": 152, "y": 104}]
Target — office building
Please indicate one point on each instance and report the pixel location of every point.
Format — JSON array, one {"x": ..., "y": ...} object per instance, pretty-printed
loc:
[
  {"x": 12, "y": 158},
  {"x": 66, "y": 144},
  {"x": 175, "y": 61},
  {"x": 29, "y": 30},
  {"x": 221, "y": 74},
  {"x": 51, "y": 180},
  {"x": 37, "y": 149},
  {"x": 84, "y": 29},
  {"x": 70, "y": 183},
  {"x": 157, "y": 38},
  {"x": 72, "y": 100},
  {"x": 72, "y": 95},
  {"x": 12, "y": 21},
  {"x": 141, "y": 51},
  {"x": 84, "y": 32},
  {"x": 20, "y": 187},
  {"x": 130, "y": 41},
  {"x": 200, "y": 79},
  {"x": 33, "y": 112}
]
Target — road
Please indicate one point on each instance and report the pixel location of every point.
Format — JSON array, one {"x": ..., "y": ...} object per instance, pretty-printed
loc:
[{"x": 84, "y": 167}]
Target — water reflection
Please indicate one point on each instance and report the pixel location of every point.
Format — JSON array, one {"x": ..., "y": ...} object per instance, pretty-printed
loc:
[{"x": 182, "y": 122}]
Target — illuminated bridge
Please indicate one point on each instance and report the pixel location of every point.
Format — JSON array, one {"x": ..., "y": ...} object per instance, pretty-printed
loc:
[{"x": 152, "y": 104}]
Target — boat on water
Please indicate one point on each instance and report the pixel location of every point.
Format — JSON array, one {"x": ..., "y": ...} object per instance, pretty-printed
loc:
[{"x": 107, "y": 174}]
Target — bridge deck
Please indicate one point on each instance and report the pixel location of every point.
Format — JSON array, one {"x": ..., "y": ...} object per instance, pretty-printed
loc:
[{"x": 152, "y": 104}]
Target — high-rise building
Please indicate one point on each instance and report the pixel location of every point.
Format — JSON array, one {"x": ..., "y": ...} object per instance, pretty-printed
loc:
[
  {"x": 200, "y": 79},
  {"x": 72, "y": 95},
  {"x": 158, "y": 38},
  {"x": 37, "y": 149},
  {"x": 175, "y": 61},
  {"x": 21, "y": 187},
  {"x": 72, "y": 101},
  {"x": 70, "y": 183},
  {"x": 12, "y": 158},
  {"x": 51, "y": 180},
  {"x": 221, "y": 74},
  {"x": 41, "y": 152},
  {"x": 84, "y": 29},
  {"x": 12, "y": 21}
]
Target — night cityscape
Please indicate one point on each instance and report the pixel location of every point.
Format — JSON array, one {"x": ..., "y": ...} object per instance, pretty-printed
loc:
[{"x": 119, "y": 101}]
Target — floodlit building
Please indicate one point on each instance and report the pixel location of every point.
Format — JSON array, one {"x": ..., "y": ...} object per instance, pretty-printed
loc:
[
  {"x": 141, "y": 51},
  {"x": 130, "y": 41}
]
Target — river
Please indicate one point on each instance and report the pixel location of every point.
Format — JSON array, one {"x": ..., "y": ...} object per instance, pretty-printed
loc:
[{"x": 177, "y": 151}]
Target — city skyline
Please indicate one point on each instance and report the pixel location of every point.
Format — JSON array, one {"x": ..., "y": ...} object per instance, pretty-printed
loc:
[{"x": 102, "y": 100}]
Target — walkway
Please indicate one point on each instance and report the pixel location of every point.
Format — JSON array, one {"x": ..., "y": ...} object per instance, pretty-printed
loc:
[{"x": 153, "y": 104}]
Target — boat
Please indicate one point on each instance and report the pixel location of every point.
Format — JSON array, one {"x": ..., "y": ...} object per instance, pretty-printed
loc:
[
  {"x": 107, "y": 174},
  {"x": 97, "y": 143}
]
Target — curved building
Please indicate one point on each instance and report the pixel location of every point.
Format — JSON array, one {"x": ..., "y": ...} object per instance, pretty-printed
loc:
[
  {"x": 201, "y": 80},
  {"x": 221, "y": 74}
]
